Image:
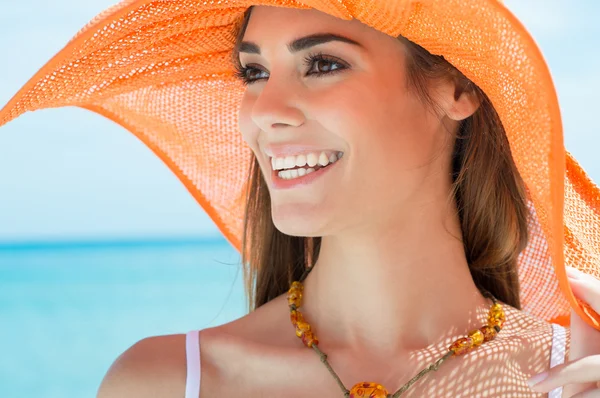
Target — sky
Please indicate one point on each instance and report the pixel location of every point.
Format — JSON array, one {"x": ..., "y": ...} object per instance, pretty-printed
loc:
[{"x": 70, "y": 174}]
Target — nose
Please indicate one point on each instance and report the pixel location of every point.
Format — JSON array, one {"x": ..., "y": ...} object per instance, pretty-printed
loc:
[{"x": 277, "y": 105}]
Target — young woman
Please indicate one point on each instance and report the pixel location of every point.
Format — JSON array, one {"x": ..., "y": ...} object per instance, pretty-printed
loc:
[{"x": 411, "y": 203}]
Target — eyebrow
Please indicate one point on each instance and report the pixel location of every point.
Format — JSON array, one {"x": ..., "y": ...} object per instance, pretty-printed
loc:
[{"x": 300, "y": 44}]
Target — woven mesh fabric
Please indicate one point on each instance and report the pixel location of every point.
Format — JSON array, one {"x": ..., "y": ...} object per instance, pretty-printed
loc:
[{"x": 162, "y": 70}]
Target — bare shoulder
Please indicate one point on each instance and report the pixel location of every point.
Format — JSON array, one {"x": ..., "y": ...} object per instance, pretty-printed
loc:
[
  {"x": 157, "y": 367},
  {"x": 532, "y": 340},
  {"x": 154, "y": 366}
]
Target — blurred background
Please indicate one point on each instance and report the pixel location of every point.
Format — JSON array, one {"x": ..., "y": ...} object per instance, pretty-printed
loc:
[{"x": 100, "y": 244}]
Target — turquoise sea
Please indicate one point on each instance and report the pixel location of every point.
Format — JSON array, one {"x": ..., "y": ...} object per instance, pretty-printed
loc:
[{"x": 68, "y": 310}]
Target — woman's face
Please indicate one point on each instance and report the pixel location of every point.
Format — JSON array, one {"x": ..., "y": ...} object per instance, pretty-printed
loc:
[{"x": 396, "y": 151}]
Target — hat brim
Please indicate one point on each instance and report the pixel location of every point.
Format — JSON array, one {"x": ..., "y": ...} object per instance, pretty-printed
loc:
[{"x": 162, "y": 70}]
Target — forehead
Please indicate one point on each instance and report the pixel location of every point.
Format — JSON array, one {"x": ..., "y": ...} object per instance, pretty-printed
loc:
[{"x": 270, "y": 23}]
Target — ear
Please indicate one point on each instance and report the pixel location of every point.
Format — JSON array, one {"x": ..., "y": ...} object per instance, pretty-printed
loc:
[{"x": 457, "y": 103}]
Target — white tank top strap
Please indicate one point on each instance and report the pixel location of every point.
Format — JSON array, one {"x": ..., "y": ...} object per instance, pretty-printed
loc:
[
  {"x": 557, "y": 353},
  {"x": 192, "y": 354}
]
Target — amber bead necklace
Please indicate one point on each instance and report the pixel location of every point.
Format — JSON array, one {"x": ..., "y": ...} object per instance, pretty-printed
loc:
[{"x": 374, "y": 390}]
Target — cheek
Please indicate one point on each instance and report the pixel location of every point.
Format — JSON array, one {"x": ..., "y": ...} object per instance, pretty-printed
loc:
[
  {"x": 250, "y": 132},
  {"x": 385, "y": 126},
  {"x": 408, "y": 135}
]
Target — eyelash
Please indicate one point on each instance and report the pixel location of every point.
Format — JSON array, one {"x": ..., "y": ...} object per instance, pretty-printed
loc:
[{"x": 241, "y": 72}]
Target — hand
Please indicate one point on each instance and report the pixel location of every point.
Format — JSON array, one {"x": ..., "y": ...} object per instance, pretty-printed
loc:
[{"x": 580, "y": 375}]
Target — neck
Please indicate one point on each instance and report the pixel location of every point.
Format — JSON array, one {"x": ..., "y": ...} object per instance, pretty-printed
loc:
[{"x": 393, "y": 289}]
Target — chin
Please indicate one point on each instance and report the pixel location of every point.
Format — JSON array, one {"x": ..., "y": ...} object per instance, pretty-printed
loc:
[{"x": 298, "y": 224}]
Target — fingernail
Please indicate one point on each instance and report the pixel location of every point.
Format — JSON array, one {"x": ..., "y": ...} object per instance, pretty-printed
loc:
[
  {"x": 536, "y": 379},
  {"x": 573, "y": 272}
]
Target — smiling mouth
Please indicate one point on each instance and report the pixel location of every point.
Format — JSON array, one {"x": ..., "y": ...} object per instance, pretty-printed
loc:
[
  {"x": 298, "y": 166},
  {"x": 299, "y": 176}
]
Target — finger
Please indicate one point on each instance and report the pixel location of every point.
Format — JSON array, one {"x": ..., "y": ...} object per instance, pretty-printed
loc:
[
  {"x": 588, "y": 394},
  {"x": 584, "y": 370},
  {"x": 574, "y": 273},
  {"x": 588, "y": 291},
  {"x": 571, "y": 390},
  {"x": 585, "y": 339}
]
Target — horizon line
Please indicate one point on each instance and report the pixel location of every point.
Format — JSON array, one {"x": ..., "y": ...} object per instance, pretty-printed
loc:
[{"x": 125, "y": 242}]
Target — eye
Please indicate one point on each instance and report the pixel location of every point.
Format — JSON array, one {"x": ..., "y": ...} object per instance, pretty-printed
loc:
[
  {"x": 318, "y": 65},
  {"x": 247, "y": 74},
  {"x": 316, "y": 60}
]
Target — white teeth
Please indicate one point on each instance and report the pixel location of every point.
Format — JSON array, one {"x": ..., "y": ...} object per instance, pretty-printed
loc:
[
  {"x": 309, "y": 159},
  {"x": 323, "y": 160},
  {"x": 300, "y": 160},
  {"x": 284, "y": 174},
  {"x": 290, "y": 162},
  {"x": 290, "y": 174},
  {"x": 312, "y": 159},
  {"x": 279, "y": 163}
]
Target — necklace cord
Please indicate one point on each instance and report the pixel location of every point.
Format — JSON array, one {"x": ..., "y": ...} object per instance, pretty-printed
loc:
[{"x": 461, "y": 346}]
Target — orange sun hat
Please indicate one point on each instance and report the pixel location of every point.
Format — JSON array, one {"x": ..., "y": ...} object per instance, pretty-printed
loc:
[{"x": 162, "y": 69}]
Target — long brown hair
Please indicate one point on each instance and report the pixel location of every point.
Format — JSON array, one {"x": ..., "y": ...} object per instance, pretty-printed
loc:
[{"x": 489, "y": 193}]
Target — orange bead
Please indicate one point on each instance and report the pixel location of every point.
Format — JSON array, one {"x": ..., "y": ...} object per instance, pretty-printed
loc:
[
  {"x": 368, "y": 390},
  {"x": 295, "y": 297},
  {"x": 496, "y": 317},
  {"x": 293, "y": 289},
  {"x": 488, "y": 333},
  {"x": 295, "y": 317},
  {"x": 496, "y": 313},
  {"x": 308, "y": 338},
  {"x": 462, "y": 346},
  {"x": 496, "y": 322},
  {"x": 297, "y": 285},
  {"x": 477, "y": 337},
  {"x": 301, "y": 328}
]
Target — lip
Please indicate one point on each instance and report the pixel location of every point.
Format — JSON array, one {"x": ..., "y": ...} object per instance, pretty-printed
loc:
[
  {"x": 282, "y": 151},
  {"x": 279, "y": 183}
]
